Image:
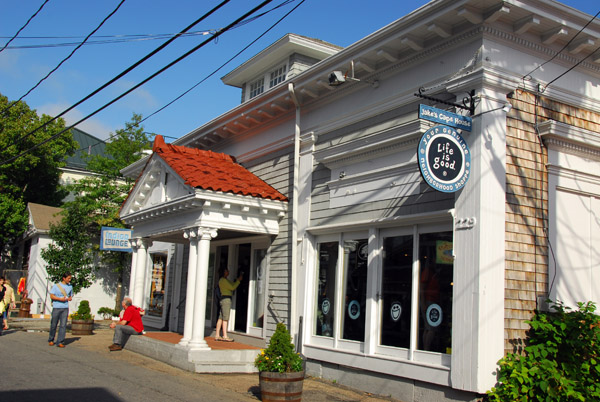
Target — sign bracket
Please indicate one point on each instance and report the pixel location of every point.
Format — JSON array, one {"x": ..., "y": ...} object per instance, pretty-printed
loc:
[{"x": 468, "y": 103}]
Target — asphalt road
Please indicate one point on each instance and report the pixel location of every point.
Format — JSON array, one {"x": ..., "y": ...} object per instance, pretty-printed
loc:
[
  {"x": 32, "y": 371},
  {"x": 85, "y": 371}
]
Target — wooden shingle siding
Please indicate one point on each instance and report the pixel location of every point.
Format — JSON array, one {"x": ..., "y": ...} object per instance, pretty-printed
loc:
[{"x": 526, "y": 275}]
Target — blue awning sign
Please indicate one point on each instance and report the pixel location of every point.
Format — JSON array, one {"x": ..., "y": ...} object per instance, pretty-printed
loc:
[
  {"x": 446, "y": 118},
  {"x": 115, "y": 239}
]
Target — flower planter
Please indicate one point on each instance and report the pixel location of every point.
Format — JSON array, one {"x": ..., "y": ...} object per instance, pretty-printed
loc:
[
  {"x": 281, "y": 386},
  {"x": 82, "y": 327}
]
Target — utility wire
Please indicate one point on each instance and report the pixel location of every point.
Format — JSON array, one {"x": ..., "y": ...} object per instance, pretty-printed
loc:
[
  {"x": 572, "y": 67},
  {"x": 226, "y": 63},
  {"x": 124, "y": 72},
  {"x": 528, "y": 75},
  {"x": 110, "y": 39},
  {"x": 208, "y": 76},
  {"x": 216, "y": 35},
  {"x": 65, "y": 59},
  {"x": 23, "y": 27}
]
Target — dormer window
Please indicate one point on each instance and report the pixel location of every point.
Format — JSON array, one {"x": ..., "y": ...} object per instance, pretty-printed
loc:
[
  {"x": 277, "y": 76},
  {"x": 257, "y": 87}
]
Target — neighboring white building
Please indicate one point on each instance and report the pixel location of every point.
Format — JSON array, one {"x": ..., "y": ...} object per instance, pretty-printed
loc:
[{"x": 387, "y": 284}]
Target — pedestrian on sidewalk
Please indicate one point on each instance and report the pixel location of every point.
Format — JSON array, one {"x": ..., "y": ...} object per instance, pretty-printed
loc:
[
  {"x": 9, "y": 301},
  {"x": 227, "y": 287},
  {"x": 60, "y": 294},
  {"x": 2, "y": 305},
  {"x": 130, "y": 324}
]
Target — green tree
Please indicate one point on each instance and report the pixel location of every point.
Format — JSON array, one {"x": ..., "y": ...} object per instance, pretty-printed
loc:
[
  {"x": 70, "y": 250},
  {"x": 34, "y": 176},
  {"x": 99, "y": 198}
]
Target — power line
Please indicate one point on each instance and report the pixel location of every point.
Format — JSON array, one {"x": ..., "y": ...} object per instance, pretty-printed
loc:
[
  {"x": 111, "y": 39},
  {"x": 23, "y": 27},
  {"x": 572, "y": 67},
  {"x": 561, "y": 50},
  {"x": 227, "y": 62},
  {"x": 211, "y": 74},
  {"x": 216, "y": 35},
  {"x": 66, "y": 58},
  {"x": 124, "y": 72}
]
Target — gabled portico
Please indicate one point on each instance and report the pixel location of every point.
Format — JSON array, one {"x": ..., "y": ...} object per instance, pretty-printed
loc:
[{"x": 190, "y": 196}]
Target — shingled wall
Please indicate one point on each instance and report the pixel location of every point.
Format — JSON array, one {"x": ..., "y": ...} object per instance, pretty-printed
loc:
[{"x": 527, "y": 206}]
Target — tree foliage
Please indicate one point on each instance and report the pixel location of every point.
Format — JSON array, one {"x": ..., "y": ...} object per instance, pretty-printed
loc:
[
  {"x": 561, "y": 361},
  {"x": 98, "y": 199},
  {"x": 33, "y": 177},
  {"x": 70, "y": 250}
]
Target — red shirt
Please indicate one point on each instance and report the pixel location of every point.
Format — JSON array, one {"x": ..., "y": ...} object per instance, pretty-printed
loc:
[{"x": 133, "y": 318}]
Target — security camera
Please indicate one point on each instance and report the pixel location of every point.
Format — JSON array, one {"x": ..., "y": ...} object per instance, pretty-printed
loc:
[{"x": 336, "y": 78}]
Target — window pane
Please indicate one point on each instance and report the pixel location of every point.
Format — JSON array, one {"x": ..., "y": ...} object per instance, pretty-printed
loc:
[
  {"x": 355, "y": 289},
  {"x": 277, "y": 76},
  {"x": 259, "y": 275},
  {"x": 157, "y": 284},
  {"x": 328, "y": 258},
  {"x": 396, "y": 291},
  {"x": 257, "y": 87},
  {"x": 435, "y": 292}
]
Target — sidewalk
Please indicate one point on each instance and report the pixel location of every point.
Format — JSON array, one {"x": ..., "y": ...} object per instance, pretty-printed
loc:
[{"x": 315, "y": 390}]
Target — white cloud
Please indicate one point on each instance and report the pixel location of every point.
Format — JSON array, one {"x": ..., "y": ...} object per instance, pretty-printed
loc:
[
  {"x": 91, "y": 126},
  {"x": 138, "y": 99}
]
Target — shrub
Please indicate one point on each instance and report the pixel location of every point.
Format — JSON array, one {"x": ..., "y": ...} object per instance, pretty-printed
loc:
[
  {"x": 107, "y": 312},
  {"x": 83, "y": 312},
  {"x": 279, "y": 356},
  {"x": 560, "y": 362}
]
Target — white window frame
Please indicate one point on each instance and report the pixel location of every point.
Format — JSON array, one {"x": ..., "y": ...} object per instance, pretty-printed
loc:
[
  {"x": 266, "y": 81},
  {"x": 370, "y": 346}
]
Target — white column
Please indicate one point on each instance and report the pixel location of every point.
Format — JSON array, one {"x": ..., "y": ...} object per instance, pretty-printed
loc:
[
  {"x": 134, "y": 254},
  {"x": 140, "y": 272},
  {"x": 204, "y": 235},
  {"x": 192, "y": 236}
]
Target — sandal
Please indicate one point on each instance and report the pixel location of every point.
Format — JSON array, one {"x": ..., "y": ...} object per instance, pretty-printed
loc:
[
  {"x": 218, "y": 338},
  {"x": 226, "y": 339}
]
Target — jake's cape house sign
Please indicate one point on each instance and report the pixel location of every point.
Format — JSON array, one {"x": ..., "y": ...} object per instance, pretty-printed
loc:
[{"x": 444, "y": 159}]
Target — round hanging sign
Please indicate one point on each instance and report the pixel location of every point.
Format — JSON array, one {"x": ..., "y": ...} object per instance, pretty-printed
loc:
[
  {"x": 354, "y": 309},
  {"x": 444, "y": 159},
  {"x": 434, "y": 315}
]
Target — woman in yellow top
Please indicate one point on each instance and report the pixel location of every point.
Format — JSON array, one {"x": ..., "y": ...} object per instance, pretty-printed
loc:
[{"x": 227, "y": 287}]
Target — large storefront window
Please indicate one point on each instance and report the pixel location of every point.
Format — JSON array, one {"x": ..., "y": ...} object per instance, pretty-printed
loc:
[
  {"x": 157, "y": 285},
  {"x": 356, "y": 253},
  {"x": 435, "y": 292},
  {"x": 411, "y": 273},
  {"x": 396, "y": 291},
  {"x": 325, "y": 303}
]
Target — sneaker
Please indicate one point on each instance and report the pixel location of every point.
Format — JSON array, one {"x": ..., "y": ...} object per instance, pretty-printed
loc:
[
  {"x": 60, "y": 345},
  {"x": 50, "y": 343}
]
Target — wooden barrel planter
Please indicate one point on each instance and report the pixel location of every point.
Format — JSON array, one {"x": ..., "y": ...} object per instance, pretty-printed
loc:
[
  {"x": 281, "y": 386},
  {"x": 82, "y": 327}
]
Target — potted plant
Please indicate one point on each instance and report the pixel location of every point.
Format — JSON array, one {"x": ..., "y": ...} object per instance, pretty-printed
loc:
[
  {"x": 281, "y": 371},
  {"x": 82, "y": 321}
]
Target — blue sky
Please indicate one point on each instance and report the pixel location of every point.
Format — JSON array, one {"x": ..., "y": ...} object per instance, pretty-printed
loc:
[{"x": 339, "y": 22}]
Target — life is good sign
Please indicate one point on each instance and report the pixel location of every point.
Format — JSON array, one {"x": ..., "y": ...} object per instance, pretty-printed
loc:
[
  {"x": 444, "y": 159},
  {"x": 115, "y": 239}
]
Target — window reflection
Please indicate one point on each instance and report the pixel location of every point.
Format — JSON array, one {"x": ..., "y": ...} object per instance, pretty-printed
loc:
[
  {"x": 435, "y": 292},
  {"x": 356, "y": 253},
  {"x": 328, "y": 258},
  {"x": 396, "y": 291}
]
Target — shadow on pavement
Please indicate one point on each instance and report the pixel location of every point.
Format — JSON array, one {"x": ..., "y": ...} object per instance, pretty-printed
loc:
[{"x": 60, "y": 395}]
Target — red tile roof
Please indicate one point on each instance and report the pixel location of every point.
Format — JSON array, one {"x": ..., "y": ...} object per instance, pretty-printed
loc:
[{"x": 213, "y": 171}]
